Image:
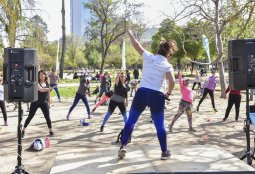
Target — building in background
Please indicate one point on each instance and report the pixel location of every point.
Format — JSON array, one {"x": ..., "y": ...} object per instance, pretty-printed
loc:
[{"x": 79, "y": 17}]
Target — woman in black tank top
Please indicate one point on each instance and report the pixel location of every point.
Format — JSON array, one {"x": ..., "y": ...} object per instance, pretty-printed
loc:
[
  {"x": 43, "y": 102},
  {"x": 119, "y": 98}
]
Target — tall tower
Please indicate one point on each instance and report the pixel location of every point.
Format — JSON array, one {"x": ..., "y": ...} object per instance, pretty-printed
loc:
[
  {"x": 79, "y": 17},
  {"x": 75, "y": 17}
]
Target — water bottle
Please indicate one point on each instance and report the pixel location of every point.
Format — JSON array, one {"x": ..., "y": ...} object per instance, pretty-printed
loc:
[
  {"x": 47, "y": 142},
  {"x": 83, "y": 123}
]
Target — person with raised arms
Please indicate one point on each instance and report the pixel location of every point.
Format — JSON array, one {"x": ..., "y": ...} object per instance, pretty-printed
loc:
[{"x": 151, "y": 93}]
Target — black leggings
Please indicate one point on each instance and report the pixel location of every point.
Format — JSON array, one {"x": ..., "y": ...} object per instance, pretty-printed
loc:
[
  {"x": 206, "y": 91},
  {"x": 233, "y": 99},
  {"x": 33, "y": 108},
  {"x": 2, "y": 105},
  {"x": 194, "y": 84},
  {"x": 114, "y": 104}
]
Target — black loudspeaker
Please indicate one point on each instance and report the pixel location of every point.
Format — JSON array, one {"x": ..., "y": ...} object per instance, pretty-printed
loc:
[
  {"x": 241, "y": 56},
  {"x": 20, "y": 79}
]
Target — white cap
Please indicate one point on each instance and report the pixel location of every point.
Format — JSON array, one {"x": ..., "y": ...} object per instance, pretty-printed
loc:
[{"x": 184, "y": 79}]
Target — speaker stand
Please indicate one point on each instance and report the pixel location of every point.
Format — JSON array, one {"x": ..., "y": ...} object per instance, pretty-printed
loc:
[
  {"x": 248, "y": 153},
  {"x": 19, "y": 169}
]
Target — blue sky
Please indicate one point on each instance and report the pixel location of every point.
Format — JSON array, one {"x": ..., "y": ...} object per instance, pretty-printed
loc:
[{"x": 51, "y": 14}]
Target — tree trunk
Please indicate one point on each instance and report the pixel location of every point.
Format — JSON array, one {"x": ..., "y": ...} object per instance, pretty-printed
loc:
[
  {"x": 220, "y": 65},
  {"x": 62, "y": 60},
  {"x": 12, "y": 31},
  {"x": 102, "y": 63},
  {"x": 219, "y": 47}
]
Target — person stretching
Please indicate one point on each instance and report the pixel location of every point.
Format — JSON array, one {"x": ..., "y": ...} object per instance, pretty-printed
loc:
[
  {"x": 234, "y": 98},
  {"x": 150, "y": 92},
  {"x": 106, "y": 96},
  {"x": 119, "y": 98},
  {"x": 185, "y": 103},
  {"x": 209, "y": 87},
  {"x": 43, "y": 102},
  {"x": 83, "y": 89},
  {"x": 54, "y": 80},
  {"x": 2, "y": 103}
]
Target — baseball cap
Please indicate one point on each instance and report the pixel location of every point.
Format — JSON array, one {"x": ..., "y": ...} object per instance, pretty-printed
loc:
[{"x": 184, "y": 79}]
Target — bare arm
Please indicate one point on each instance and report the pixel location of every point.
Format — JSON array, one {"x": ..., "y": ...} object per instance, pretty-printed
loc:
[
  {"x": 135, "y": 43},
  {"x": 117, "y": 78},
  {"x": 171, "y": 82},
  {"x": 127, "y": 101},
  {"x": 43, "y": 89}
]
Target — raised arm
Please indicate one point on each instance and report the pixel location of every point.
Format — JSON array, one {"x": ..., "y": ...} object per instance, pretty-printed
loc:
[
  {"x": 135, "y": 42},
  {"x": 117, "y": 78}
]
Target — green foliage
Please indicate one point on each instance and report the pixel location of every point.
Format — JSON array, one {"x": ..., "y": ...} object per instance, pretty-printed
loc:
[
  {"x": 69, "y": 91},
  {"x": 132, "y": 56},
  {"x": 188, "y": 39},
  {"x": 65, "y": 91},
  {"x": 74, "y": 52},
  {"x": 108, "y": 22},
  {"x": 10, "y": 14},
  {"x": 92, "y": 53}
]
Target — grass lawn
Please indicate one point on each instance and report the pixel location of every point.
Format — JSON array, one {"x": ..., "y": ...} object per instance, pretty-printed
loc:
[{"x": 69, "y": 91}]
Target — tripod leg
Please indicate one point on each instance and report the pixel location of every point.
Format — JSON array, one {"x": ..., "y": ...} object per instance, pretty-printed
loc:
[
  {"x": 244, "y": 156},
  {"x": 19, "y": 169},
  {"x": 249, "y": 159}
]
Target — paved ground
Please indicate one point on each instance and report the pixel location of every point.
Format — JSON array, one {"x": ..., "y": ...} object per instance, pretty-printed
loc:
[{"x": 72, "y": 138}]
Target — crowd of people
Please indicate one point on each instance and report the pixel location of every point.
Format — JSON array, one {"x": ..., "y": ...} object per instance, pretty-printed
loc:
[{"x": 150, "y": 90}]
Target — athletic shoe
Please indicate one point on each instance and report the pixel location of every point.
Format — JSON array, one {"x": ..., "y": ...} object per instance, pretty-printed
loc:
[
  {"x": 51, "y": 133},
  {"x": 192, "y": 129},
  {"x": 68, "y": 117},
  {"x": 5, "y": 123},
  {"x": 224, "y": 119},
  {"x": 102, "y": 129},
  {"x": 122, "y": 152},
  {"x": 215, "y": 110},
  {"x": 166, "y": 155}
]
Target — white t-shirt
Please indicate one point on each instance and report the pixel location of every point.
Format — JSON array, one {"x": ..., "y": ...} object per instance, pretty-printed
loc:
[{"x": 154, "y": 70}]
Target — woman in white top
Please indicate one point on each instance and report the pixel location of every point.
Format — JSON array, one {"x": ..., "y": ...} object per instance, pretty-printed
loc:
[
  {"x": 151, "y": 92},
  {"x": 197, "y": 81}
]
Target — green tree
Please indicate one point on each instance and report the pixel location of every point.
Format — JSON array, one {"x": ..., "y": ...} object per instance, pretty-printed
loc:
[
  {"x": 108, "y": 22},
  {"x": 92, "y": 53},
  {"x": 37, "y": 34},
  {"x": 220, "y": 14},
  {"x": 74, "y": 51},
  {"x": 11, "y": 16}
]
